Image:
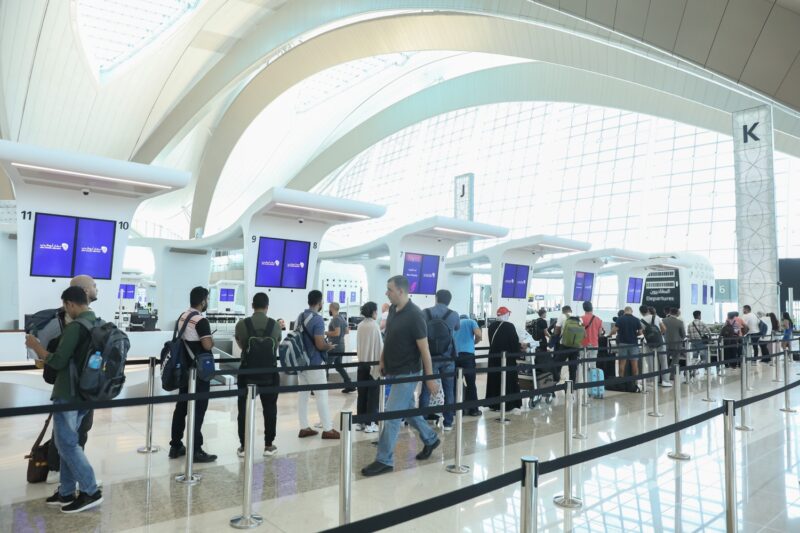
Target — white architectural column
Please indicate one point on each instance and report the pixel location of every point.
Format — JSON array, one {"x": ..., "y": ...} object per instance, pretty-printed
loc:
[{"x": 756, "y": 232}]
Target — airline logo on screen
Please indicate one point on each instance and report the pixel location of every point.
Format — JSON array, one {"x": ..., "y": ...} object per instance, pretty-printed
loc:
[
  {"x": 268, "y": 263},
  {"x": 429, "y": 275},
  {"x": 93, "y": 249},
  {"x": 53, "y": 246},
  {"x": 300, "y": 264}
]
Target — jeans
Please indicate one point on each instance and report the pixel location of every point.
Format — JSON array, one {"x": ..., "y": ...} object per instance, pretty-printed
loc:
[
  {"x": 698, "y": 348},
  {"x": 754, "y": 340},
  {"x": 179, "y": 416},
  {"x": 467, "y": 362},
  {"x": 269, "y": 404},
  {"x": 313, "y": 377},
  {"x": 53, "y": 460},
  {"x": 448, "y": 385},
  {"x": 336, "y": 359},
  {"x": 75, "y": 467},
  {"x": 401, "y": 398}
]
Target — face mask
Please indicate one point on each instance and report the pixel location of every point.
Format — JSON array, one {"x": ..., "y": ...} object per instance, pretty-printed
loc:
[{"x": 504, "y": 318}]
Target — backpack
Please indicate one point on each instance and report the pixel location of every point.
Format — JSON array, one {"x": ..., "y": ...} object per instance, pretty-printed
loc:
[
  {"x": 762, "y": 328},
  {"x": 538, "y": 330},
  {"x": 292, "y": 349},
  {"x": 39, "y": 319},
  {"x": 728, "y": 330},
  {"x": 440, "y": 339},
  {"x": 174, "y": 362},
  {"x": 573, "y": 333},
  {"x": 652, "y": 333},
  {"x": 102, "y": 380},
  {"x": 260, "y": 352}
]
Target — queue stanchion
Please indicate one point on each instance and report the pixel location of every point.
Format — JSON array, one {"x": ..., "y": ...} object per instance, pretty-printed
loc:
[
  {"x": 458, "y": 467},
  {"x": 708, "y": 397},
  {"x": 503, "y": 419},
  {"x": 345, "y": 466},
  {"x": 730, "y": 467},
  {"x": 656, "y": 411},
  {"x": 381, "y": 404},
  {"x": 188, "y": 477},
  {"x": 248, "y": 520},
  {"x": 748, "y": 381},
  {"x": 577, "y": 433},
  {"x": 530, "y": 485},
  {"x": 677, "y": 453},
  {"x": 151, "y": 392},
  {"x": 742, "y": 395},
  {"x": 566, "y": 500},
  {"x": 787, "y": 406}
]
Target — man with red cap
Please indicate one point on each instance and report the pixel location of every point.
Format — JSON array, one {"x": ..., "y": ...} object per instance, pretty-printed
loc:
[{"x": 503, "y": 337}]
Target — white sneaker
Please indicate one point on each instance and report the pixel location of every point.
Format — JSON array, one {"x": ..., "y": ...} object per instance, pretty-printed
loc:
[
  {"x": 240, "y": 451},
  {"x": 515, "y": 411},
  {"x": 666, "y": 384},
  {"x": 53, "y": 476},
  {"x": 372, "y": 428},
  {"x": 270, "y": 450},
  {"x": 358, "y": 427},
  {"x": 318, "y": 425}
]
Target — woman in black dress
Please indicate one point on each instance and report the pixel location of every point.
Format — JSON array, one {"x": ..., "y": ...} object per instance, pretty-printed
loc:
[{"x": 503, "y": 338}]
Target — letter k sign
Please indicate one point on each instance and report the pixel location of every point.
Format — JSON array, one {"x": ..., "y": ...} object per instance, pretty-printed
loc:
[{"x": 749, "y": 132}]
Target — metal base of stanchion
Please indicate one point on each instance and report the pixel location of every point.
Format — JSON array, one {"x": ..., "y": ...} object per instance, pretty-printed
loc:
[
  {"x": 679, "y": 456},
  {"x": 247, "y": 522},
  {"x": 744, "y": 428},
  {"x": 568, "y": 503},
  {"x": 579, "y": 436},
  {"x": 457, "y": 469},
  {"x": 655, "y": 415},
  {"x": 789, "y": 410},
  {"x": 195, "y": 478},
  {"x": 151, "y": 449},
  {"x": 712, "y": 400},
  {"x": 502, "y": 420}
]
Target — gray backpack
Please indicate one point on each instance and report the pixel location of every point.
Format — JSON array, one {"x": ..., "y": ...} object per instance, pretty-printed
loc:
[{"x": 103, "y": 372}]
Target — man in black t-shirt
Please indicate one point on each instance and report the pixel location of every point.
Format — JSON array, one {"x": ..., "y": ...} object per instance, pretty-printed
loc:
[
  {"x": 198, "y": 340},
  {"x": 540, "y": 333}
]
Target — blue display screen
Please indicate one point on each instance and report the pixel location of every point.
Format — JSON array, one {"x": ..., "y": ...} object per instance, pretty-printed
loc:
[
  {"x": 329, "y": 297},
  {"x": 270, "y": 260},
  {"x": 705, "y": 294},
  {"x": 353, "y": 296},
  {"x": 411, "y": 270},
  {"x": 127, "y": 291},
  {"x": 584, "y": 282},
  {"x": 295, "y": 265},
  {"x": 521, "y": 287},
  {"x": 342, "y": 297},
  {"x": 422, "y": 272},
  {"x": 65, "y": 246},
  {"x": 694, "y": 293},
  {"x": 282, "y": 263},
  {"x": 227, "y": 295},
  {"x": 635, "y": 290},
  {"x": 515, "y": 281}
]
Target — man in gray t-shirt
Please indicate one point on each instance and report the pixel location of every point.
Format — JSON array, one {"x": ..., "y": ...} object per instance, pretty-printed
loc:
[{"x": 337, "y": 332}]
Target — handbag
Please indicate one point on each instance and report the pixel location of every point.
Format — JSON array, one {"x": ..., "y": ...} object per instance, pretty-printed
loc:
[{"x": 37, "y": 459}]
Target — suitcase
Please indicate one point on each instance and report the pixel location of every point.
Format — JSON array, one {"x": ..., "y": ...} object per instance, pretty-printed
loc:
[
  {"x": 609, "y": 368},
  {"x": 596, "y": 391}
]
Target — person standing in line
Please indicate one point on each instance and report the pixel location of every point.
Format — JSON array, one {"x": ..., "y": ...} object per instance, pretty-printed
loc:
[
  {"x": 594, "y": 328},
  {"x": 566, "y": 313},
  {"x": 763, "y": 340},
  {"x": 198, "y": 339},
  {"x": 503, "y": 337},
  {"x": 788, "y": 331},
  {"x": 753, "y": 333},
  {"x": 254, "y": 335},
  {"x": 657, "y": 347},
  {"x": 777, "y": 331},
  {"x": 337, "y": 333},
  {"x": 78, "y": 490},
  {"x": 444, "y": 363},
  {"x": 674, "y": 337},
  {"x": 405, "y": 354},
  {"x": 541, "y": 333},
  {"x": 369, "y": 347},
  {"x": 384, "y": 317},
  {"x": 467, "y": 335},
  {"x": 312, "y": 328},
  {"x": 699, "y": 335},
  {"x": 627, "y": 329}
]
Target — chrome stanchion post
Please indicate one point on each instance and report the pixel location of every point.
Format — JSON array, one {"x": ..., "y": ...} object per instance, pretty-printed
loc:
[
  {"x": 381, "y": 405},
  {"x": 188, "y": 477},
  {"x": 742, "y": 395},
  {"x": 787, "y": 406},
  {"x": 748, "y": 363},
  {"x": 721, "y": 357},
  {"x": 730, "y": 467},
  {"x": 708, "y": 397},
  {"x": 459, "y": 468},
  {"x": 655, "y": 412},
  {"x": 151, "y": 392},
  {"x": 345, "y": 466},
  {"x": 248, "y": 520},
  {"x": 677, "y": 453},
  {"x": 566, "y": 500},
  {"x": 503, "y": 419},
  {"x": 776, "y": 363},
  {"x": 530, "y": 484}
]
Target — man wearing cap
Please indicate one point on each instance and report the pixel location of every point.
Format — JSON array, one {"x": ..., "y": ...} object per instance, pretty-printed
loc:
[{"x": 503, "y": 337}]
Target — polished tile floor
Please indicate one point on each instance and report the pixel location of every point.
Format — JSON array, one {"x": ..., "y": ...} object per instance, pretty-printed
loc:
[{"x": 639, "y": 489}]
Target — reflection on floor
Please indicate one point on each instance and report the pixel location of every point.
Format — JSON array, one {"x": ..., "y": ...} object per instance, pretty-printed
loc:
[{"x": 297, "y": 490}]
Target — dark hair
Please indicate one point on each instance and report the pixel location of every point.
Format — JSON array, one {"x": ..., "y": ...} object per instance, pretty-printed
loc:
[
  {"x": 788, "y": 317},
  {"x": 774, "y": 319},
  {"x": 697, "y": 314},
  {"x": 401, "y": 282},
  {"x": 369, "y": 309},
  {"x": 643, "y": 309},
  {"x": 314, "y": 297},
  {"x": 260, "y": 300},
  {"x": 443, "y": 296},
  {"x": 75, "y": 295},
  {"x": 197, "y": 296},
  {"x": 566, "y": 308},
  {"x": 747, "y": 308},
  {"x": 542, "y": 311},
  {"x": 587, "y": 306},
  {"x": 621, "y": 312}
]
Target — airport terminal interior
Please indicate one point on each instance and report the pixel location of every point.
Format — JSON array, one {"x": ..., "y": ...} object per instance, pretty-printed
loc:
[{"x": 404, "y": 265}]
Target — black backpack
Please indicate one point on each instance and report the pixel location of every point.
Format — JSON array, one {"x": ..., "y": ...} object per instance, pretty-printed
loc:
[
  {"x": 440, "y": 339},
  {"x": 652, "y": 333},
  {"x": 174, "y": 362},
  {"x": 102, "y": 379},
  {"x": 539, "y": 327},
  {"x": 728, "y": 331},
  {"x": 260, "y": 352}
]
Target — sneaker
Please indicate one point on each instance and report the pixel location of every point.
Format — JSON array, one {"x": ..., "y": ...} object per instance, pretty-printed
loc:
[
  {"x": 372, "y": 428},
  {"x": 358, "y": 427},
  {"x": 318, "y": 425},
  {"x": 177, "y": 451},
  {"x": 53, "y": 476},
  {"x": 427, "y": 450},
  {"x": 57, "y": 500},
  {"x": 240, "y": 451},
  {"x": 202, "y": 457},
  {"x": 515, "y": 411},
  {"x": 307, "y": 432},
  {"x": 376, "y": 469},
  {"x": 474, "y": 412},
  {"x": 270, "y": 450},
  {"x": 666, "y": 384},
  {"x": 330, "y": 435},
  {"x": 447, "y": 428},
  {"x": 348, "y": 390},
  {"x": 83, "y": 502}
]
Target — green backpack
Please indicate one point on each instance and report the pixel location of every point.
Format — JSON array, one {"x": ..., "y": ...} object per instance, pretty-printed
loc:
[{"x": 573, "y": 332}]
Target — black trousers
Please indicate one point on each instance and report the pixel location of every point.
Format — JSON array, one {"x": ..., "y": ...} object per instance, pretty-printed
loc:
[
  {"x": 53, "y": 459},
  {"x": 269, "y": 405},
  {"x": 336, "y": 359},
  {"x": 179, "y": 416},
  {"x": 467, "y": 361},
  {"x": 368, "y": 397},
  {"x": 571, "y": 356}
]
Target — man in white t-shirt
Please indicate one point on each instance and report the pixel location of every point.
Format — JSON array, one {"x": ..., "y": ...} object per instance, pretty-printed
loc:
[
  {"x": 650, "y": 317},
  {"x": 753, "y": 334}
]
